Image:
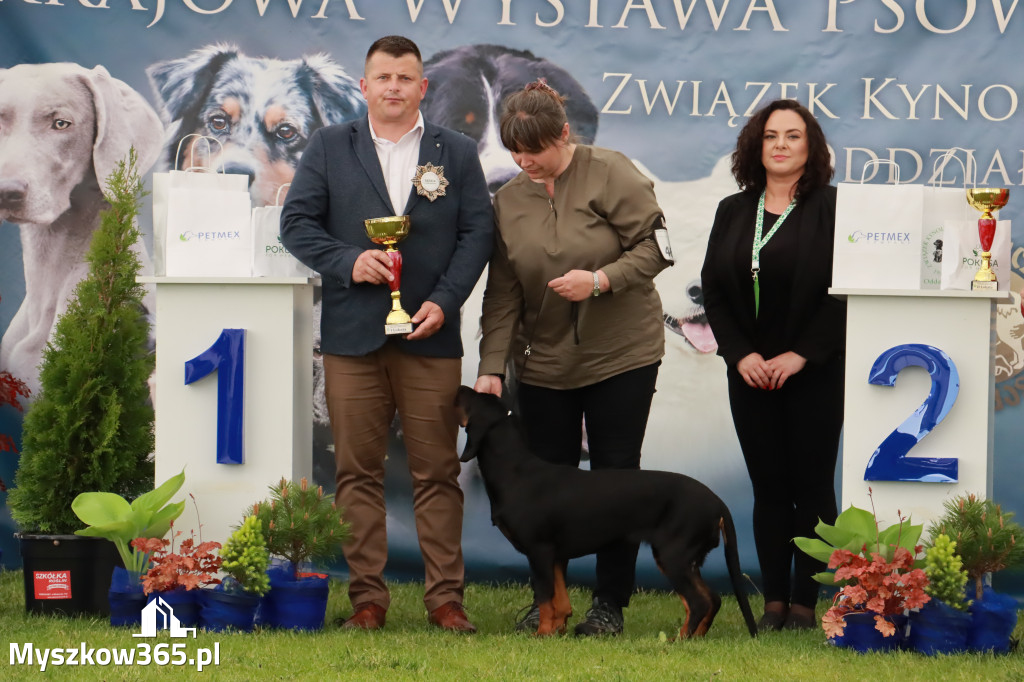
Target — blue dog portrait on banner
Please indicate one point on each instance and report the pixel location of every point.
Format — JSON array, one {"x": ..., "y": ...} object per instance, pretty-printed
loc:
[{"x": 667, "y": 82}]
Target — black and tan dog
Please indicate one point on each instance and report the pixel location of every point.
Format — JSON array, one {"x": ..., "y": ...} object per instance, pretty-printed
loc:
[{"x": 553, "y": 513}]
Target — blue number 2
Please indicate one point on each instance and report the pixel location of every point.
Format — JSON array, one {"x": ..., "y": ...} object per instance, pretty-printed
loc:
[
  {"x": 227, "y": 357},
  {"x": 890, "y": 462}
]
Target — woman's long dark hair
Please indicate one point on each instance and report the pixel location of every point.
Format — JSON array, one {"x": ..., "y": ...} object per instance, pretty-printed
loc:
[{"x": 747, "y": 167}]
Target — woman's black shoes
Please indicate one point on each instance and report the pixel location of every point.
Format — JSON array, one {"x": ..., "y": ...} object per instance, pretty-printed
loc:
[
  {"x": 771, "y": 621},
  {"x": 800, "y": 621}
]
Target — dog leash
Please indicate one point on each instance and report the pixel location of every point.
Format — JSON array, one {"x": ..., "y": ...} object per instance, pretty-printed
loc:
[
  {"x": 513, "y": 376},
  {"x": 529, "y": 339}
]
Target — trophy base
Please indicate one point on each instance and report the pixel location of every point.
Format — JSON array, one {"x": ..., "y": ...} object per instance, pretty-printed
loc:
[
  {"x": 398, "y": 328},
  {"x": 984, "y": 286}
]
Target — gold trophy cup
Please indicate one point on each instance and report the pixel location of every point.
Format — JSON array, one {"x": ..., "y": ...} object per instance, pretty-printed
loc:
[
  {"x": 388, "y": 232},
  {"x": 986, "y": 200}
]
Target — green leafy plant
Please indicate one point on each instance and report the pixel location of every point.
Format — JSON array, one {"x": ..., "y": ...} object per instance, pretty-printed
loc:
[
  {"x": 877, "y": 569},
  {"x": 91, "y": 424},
  {"x": 193, "y": 566},
  {"x": 946, "y": 577},
  {"x": 244, "y": 557},
  {"x": 854, "y": 530},
  {"x": 985, "y": 536},
  {"x": 299, "y": 523},
  {"x": 110, "y": 516}
]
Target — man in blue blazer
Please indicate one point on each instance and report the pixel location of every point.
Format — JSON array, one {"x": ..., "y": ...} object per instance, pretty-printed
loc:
[{"x": 372, "y": 168}]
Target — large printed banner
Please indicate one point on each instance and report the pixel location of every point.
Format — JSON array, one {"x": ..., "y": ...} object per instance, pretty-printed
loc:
[{"x": 667, "y": 82}]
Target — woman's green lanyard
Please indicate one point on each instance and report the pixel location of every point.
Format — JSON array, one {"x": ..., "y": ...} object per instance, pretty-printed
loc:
[{"x": 755, "y": 256}]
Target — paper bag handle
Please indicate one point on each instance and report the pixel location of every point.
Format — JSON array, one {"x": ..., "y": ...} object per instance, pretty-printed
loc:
[
  {"x": 209, "y": 151},
  {"x": 947, "y": 156},
  {"x": 876, "y": 162},
  {"x": 277, "y": 197}
]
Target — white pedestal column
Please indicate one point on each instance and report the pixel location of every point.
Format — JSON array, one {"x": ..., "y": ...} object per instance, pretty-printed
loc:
[
  {"x": 276, "y": 313},
  {"x": 956, "y": 322}
]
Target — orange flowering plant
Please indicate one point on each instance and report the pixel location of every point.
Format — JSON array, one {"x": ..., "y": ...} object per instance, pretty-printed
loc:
[
  {"x": 192, "y": 566},
  {"x": 876, "y": 585},
  {"x": 885, "y": 582}
]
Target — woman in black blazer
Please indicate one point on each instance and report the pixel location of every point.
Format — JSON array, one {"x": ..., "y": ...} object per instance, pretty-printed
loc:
[{"x": 765, "y": 281}]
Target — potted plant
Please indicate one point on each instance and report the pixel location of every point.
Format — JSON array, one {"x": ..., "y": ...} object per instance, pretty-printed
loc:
[
  {"x": 244, "y": 559},
  {"x": 176, "y": 576},
  {"x": 987, "y": 541},
  {"x": 879, "y": 577},
  {"x": 110, "y": 516},
  {"x": 941, "y": 625},
  {"x": 90, "y": 427},
  {"x": 299, "y": 524}
]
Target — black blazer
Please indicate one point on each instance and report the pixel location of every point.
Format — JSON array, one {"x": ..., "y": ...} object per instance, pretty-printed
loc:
[
  {"x": 338, "y": 184},
  {"x": 816, "y": 322}
]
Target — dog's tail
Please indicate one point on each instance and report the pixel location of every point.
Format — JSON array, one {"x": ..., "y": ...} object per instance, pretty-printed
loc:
[{"x": 732, "y": 562}]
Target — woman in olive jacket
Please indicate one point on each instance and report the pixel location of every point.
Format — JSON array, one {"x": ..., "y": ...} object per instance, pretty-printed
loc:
[{"x": 571, "y": 278}]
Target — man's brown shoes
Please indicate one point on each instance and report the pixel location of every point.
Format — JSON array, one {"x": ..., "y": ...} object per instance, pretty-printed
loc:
[
  {"x": 368, "y": 616},
  {"x": 451, "y": 616}
]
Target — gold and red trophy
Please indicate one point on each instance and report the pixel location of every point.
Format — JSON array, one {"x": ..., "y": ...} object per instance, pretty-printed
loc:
[
  {"x": 388, "y": 232},
  {"x": 986, "y": 200}
]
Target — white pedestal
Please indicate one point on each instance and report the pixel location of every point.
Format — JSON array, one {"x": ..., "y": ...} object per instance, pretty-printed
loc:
[
  {"x": 958, "y": 323},
  {"x": 276, "y": 313}
]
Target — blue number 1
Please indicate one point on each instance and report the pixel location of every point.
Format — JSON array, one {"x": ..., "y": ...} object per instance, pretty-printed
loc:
[
  {"x": 227, "y": 357},
  {"x": 890, "y": 462}
]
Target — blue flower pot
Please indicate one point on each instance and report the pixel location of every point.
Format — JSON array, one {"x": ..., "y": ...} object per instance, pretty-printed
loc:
[
  {"x": 994, "y": 617},
  {"x": 184, "y": 603},
  {"x": 861, "y": 635},
  {"x": 126, "y": 599},
  {"x": 938, "y": 628},
  {"x": 297, "y": 604},
  {"x": 220, "y": 610}
]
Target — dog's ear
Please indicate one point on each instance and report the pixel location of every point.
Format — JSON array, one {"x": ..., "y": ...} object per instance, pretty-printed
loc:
[
  {"x": 336, "y": 95},
  {"x": 124, "y": 119},
  {"x": 483, "y": 412},
  {"x": 182, "y": 85}
]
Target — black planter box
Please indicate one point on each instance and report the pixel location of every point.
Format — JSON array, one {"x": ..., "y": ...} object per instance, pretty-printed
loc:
[{"x": 67, "y": 574}]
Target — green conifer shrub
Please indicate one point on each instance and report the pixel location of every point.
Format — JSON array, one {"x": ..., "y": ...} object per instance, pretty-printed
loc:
[
  {"x": 947, "y": 579},
  {"x": 300, "y": 523},
  {"x": 245, "y": 557},
  {"x": 91, "y": 425},
  {"x": 987, "y": 539}
]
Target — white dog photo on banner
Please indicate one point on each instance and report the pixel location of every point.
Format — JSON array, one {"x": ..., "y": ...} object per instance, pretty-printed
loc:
[{"x": 65, "y": 128}]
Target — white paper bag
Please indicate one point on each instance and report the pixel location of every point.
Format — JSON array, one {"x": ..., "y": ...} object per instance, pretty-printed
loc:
[
  {"x": 941, "y": 204},
  {"x": 196, "y": 217},
  {"x": 878, "y": 236},
  {"x": 208, "y": 227},
  {"x": 961, "y": 253},
  {"x": 269, "y": 257},
  {"x": 943, "y": 200}
]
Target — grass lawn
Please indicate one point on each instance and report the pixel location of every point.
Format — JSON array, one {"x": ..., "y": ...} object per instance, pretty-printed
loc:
[{"x": 409, "y": 649}]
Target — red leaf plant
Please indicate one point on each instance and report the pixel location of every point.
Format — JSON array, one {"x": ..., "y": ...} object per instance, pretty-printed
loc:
[
  {"x": 11, "y": 389},
  {"x": 191, "y": 567},
  {"x": 879, "y": 587}
]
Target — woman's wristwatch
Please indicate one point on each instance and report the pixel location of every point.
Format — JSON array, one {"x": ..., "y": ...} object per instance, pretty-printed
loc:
[{"x": 597, "y": 285}]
